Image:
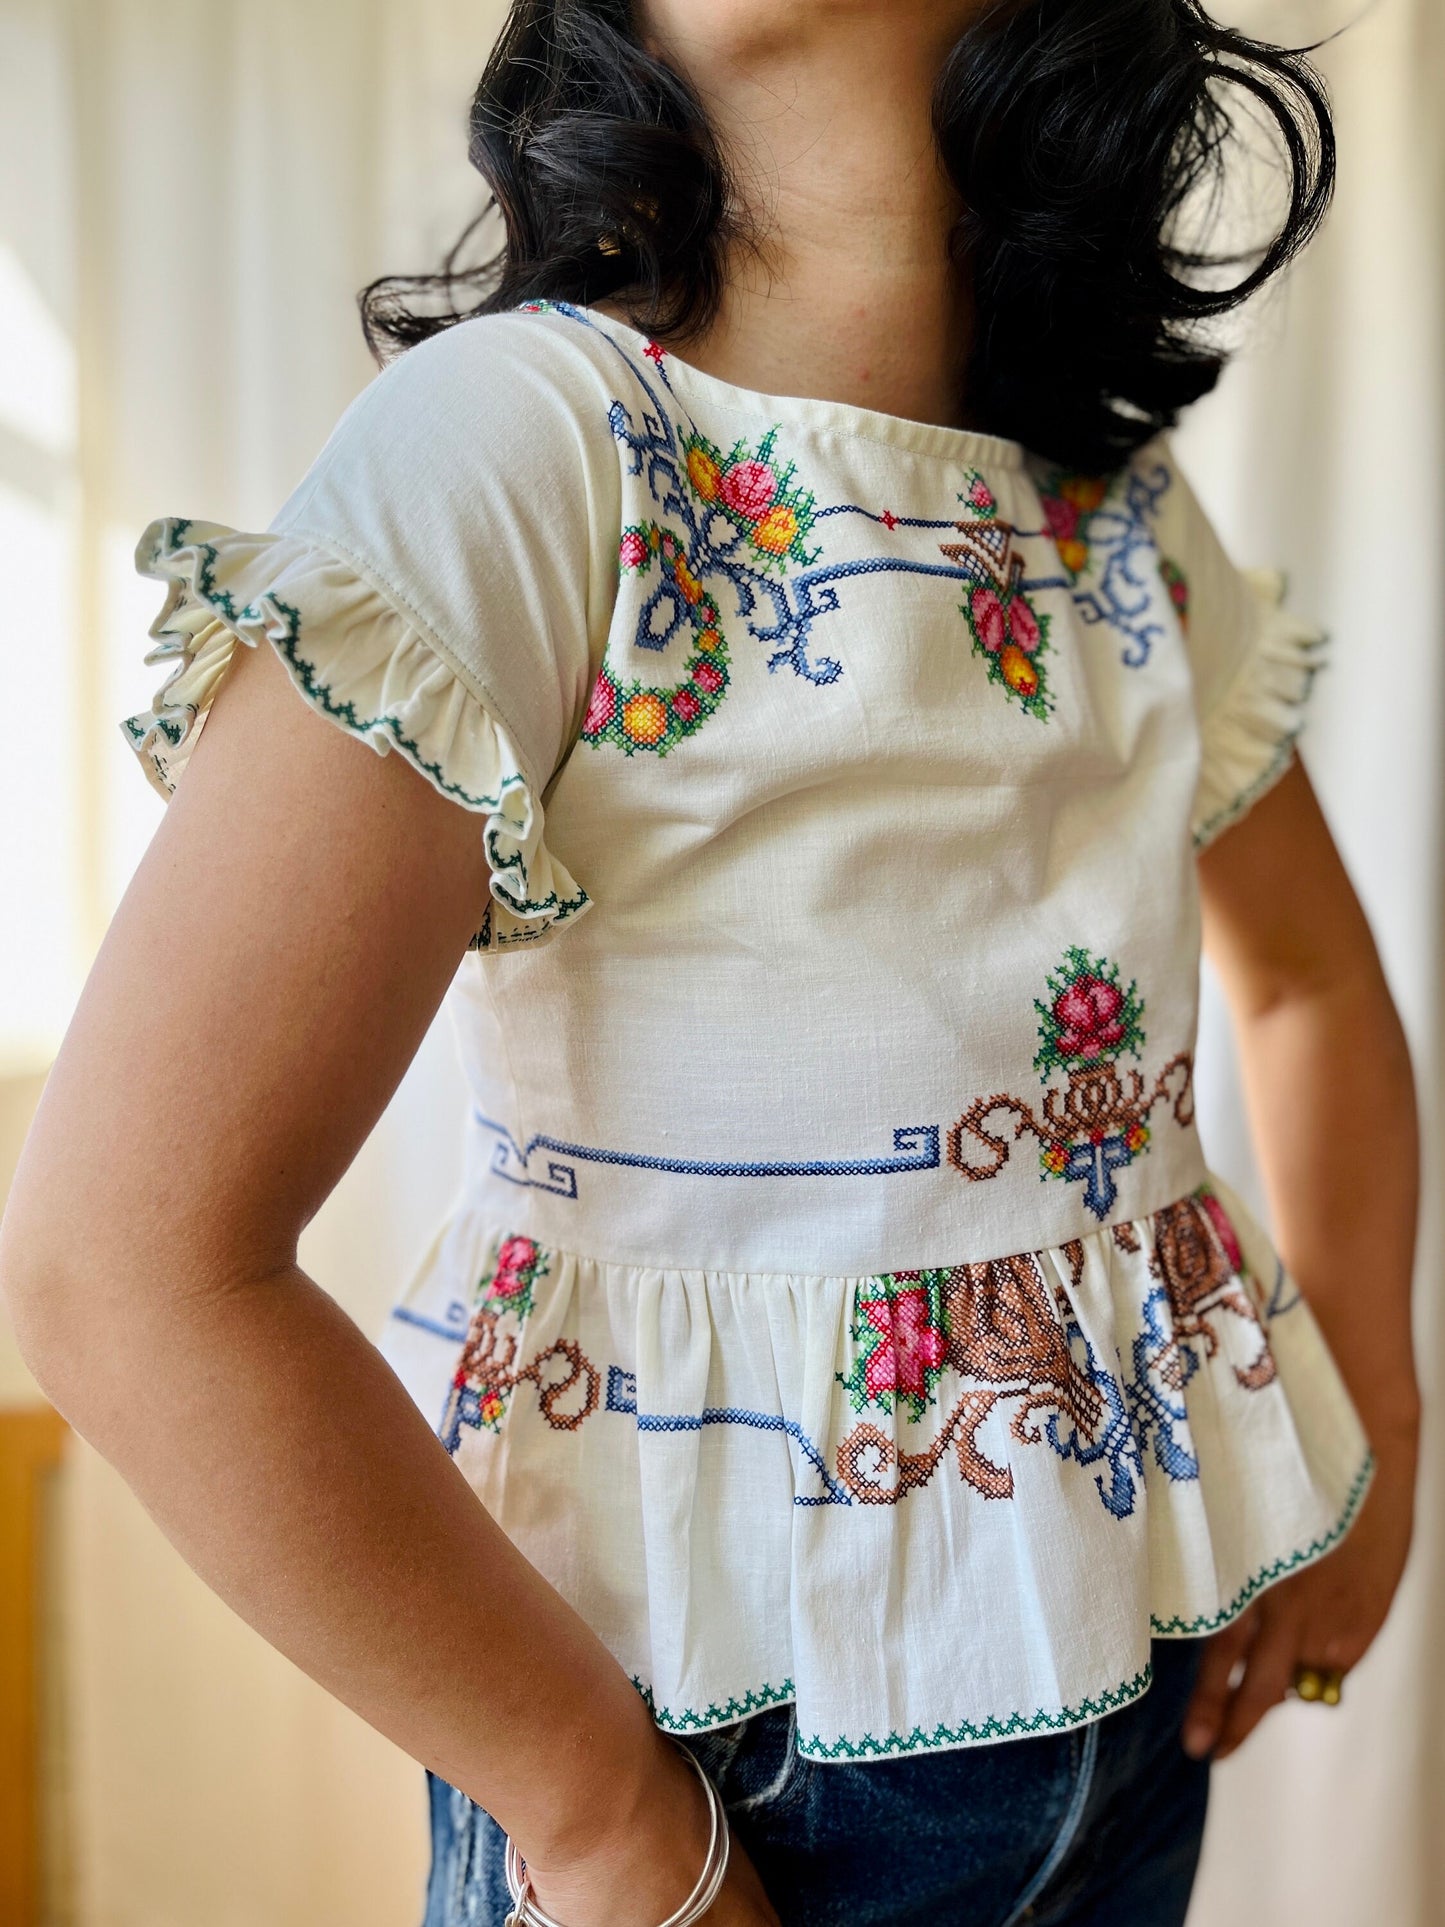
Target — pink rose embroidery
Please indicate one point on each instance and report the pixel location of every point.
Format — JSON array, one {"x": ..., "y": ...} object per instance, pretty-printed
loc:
[
  {"x": 708, "y": 678},
  {"x": 632, "y": 550},
  {"x": 1228, "y": 1237},
  {"x": 911, "y": 1347},
  {"x": 1061, "y": 516},
  {"x": 988, "y": 619},
  {"x": 685, "y": 705},
  {"x": 1023, "y": 625},
  {"x": 748, "y": 487},
  {"x": 601, "y": 706},
  {"x": 1087, "y": 1014},
  {"x": 980, "y": 494}
]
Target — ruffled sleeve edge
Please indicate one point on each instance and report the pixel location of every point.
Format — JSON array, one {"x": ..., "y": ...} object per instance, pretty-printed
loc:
[
  {"x": 368, "y": 670},
  {"x": 1249, "y": 737}
]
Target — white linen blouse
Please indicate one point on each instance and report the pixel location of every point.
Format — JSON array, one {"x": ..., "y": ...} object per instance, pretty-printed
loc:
[{"x": 838, "y": 1308}]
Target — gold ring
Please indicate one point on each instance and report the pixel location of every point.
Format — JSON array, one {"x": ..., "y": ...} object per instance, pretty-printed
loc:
[{"x": 1323, "y": 1683}]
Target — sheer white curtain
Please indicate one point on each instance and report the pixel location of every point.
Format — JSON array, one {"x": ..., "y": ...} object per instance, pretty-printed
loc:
[{"x": 191, "y": 192}]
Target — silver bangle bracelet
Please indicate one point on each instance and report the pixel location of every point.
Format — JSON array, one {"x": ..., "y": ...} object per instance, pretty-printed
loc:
[{"x": 527, "y": 1913}]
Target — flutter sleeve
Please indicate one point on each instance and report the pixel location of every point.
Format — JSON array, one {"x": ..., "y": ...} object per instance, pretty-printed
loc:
[
  {"x": 1253, "y": 660},
  {"x": 435, "y": 586}
]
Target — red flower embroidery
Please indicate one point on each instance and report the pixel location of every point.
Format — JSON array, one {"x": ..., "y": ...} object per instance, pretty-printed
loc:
[
  {"x": 1228, "y": 1237},
  {"x": 601, "y": 707},
  {"x": 748, "y": 487},
  {"x": 685, "y": 705},
  {"x": 632, "y": 550},
  {"x": 1023, "y": 625},
  {"x": 980, "y": 495},
  {"x": 708, "y": 678},
  {"x": 1061, "y": 516},
  {"x": 911, "y": 1347},
  {"x": 1087, "y": 1014},
  {"x": 988, "y": 619},
  {"x": 516, "y": 1257},
  {"x": 654, "y": 352}
]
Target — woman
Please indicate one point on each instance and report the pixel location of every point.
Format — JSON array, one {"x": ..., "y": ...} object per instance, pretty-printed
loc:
[{"x": 794, "y": 522}]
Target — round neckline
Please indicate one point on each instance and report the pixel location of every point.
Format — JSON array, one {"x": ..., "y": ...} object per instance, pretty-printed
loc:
[{"x": 931, "y": 439}]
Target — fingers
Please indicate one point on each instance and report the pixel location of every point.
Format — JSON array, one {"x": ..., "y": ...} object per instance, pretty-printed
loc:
[
  {"x": 1204, "y": 1717},
  {"x": 1269, "y": 1667}
]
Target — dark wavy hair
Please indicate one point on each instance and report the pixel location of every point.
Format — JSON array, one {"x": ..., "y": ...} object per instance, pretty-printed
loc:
[{"x": 1082, "y": 136}]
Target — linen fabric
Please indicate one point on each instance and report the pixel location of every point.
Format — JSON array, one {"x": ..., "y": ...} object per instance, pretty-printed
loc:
[{"x": 839, "y": 1309}]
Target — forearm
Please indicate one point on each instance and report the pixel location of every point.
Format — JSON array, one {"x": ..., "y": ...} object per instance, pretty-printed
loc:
[
  {"x": 1331, "y": 1098},
  {"x": 282, "y": 1457}
]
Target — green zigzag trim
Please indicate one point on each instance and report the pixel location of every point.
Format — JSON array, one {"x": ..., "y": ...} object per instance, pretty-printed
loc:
[
  {"x": 345, "y": 713},
  {"x": 922, "y": 1740},
  {"x": 690, "y": 1722},
  {"x": 1211, "y": 1622}
]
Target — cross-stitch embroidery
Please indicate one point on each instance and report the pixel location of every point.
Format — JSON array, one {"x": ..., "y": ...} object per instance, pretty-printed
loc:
[
  {"x": 745, "y": 517},
  {"x": 1010, "y": 1341},
  {"x": 1102, "y": 528},
  {"x": 636, "y": 715},
  {"x": 1008, "y": 632},
  {"x": 488, "y": 1372},
  {"x": 1070, "y": 502},
  {"x": 1201, "y": 1274},
  {"x": 763, "y": 502},
  {"x": 1177, "y": 583},
  {"x": 915, "y": 1148},
  {"x": 739, "y": 517},
  {"x": 1099, "y": 1122}
]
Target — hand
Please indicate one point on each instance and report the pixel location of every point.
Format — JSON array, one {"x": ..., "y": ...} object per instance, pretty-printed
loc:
[
  {"x": 1326, "y": 1615},
  {"x": 641, "y": 1873}
]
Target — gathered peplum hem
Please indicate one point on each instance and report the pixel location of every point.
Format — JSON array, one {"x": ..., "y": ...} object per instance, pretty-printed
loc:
[
  {"x": 359, "y": 662},
  {"x": 1249, "y": 740},
  {"x": 933, "y": 1508}
]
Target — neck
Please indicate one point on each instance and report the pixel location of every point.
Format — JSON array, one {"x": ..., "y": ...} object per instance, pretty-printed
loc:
[{"x": 846, "y": 292}]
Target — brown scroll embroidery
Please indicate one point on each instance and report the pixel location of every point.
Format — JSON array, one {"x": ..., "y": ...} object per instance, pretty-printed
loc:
[
  {"x": 1013, "y": 1342},
  {"x": 1201, "y": 1274},
  {"x": 568, "y": 1383},
  {"x": 1097, "y": 1122}
]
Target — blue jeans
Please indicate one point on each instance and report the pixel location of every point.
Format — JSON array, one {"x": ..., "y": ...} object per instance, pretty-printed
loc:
[{"x": 1097, "y": 1827}]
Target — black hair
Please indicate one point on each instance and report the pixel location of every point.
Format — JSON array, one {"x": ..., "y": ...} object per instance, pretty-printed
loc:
[{"x": 1082, "y": 136}]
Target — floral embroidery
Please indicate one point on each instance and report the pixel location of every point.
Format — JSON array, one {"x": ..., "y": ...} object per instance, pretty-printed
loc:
[
  {"x": 763, "y": 502},
  {"x": 1201, "y": 1273},
  {"x": 1009, "y": 1340},
  {"x": 742, "y": 517},
  {"x": 1007, "y": 631},
  {"x": 978, "y": 495},
  {"x": 901, "y": 1340},
  {"x": 745, "y": 518},
  {"x": 1102, "y": 528},
  {"x": 637, "y": 715},
  {"x": 1177, "y": 583},
  {"x": 1090, "y": 1015},
  {"x": 1099, "y": 1123},
  {"x": 488, "y": 1372},
  {"x": 1070, "y": 503}
]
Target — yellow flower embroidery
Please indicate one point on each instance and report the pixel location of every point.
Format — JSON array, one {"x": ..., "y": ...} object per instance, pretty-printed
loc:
[
  {"x": 1017, "y": 670},
  {"x": 777, "y": 530},
  {"x": 644, "y": 717},
  {"x": 703, "y": 473}
]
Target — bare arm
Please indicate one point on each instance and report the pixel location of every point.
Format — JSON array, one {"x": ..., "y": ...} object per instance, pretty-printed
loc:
[
  {"x": 1331, "y": 1102},
  {"x": 271, "y": 972}
]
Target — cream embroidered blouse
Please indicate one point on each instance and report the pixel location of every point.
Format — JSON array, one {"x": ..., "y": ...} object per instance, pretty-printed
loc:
[{"x": 839, "y": 1308}]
